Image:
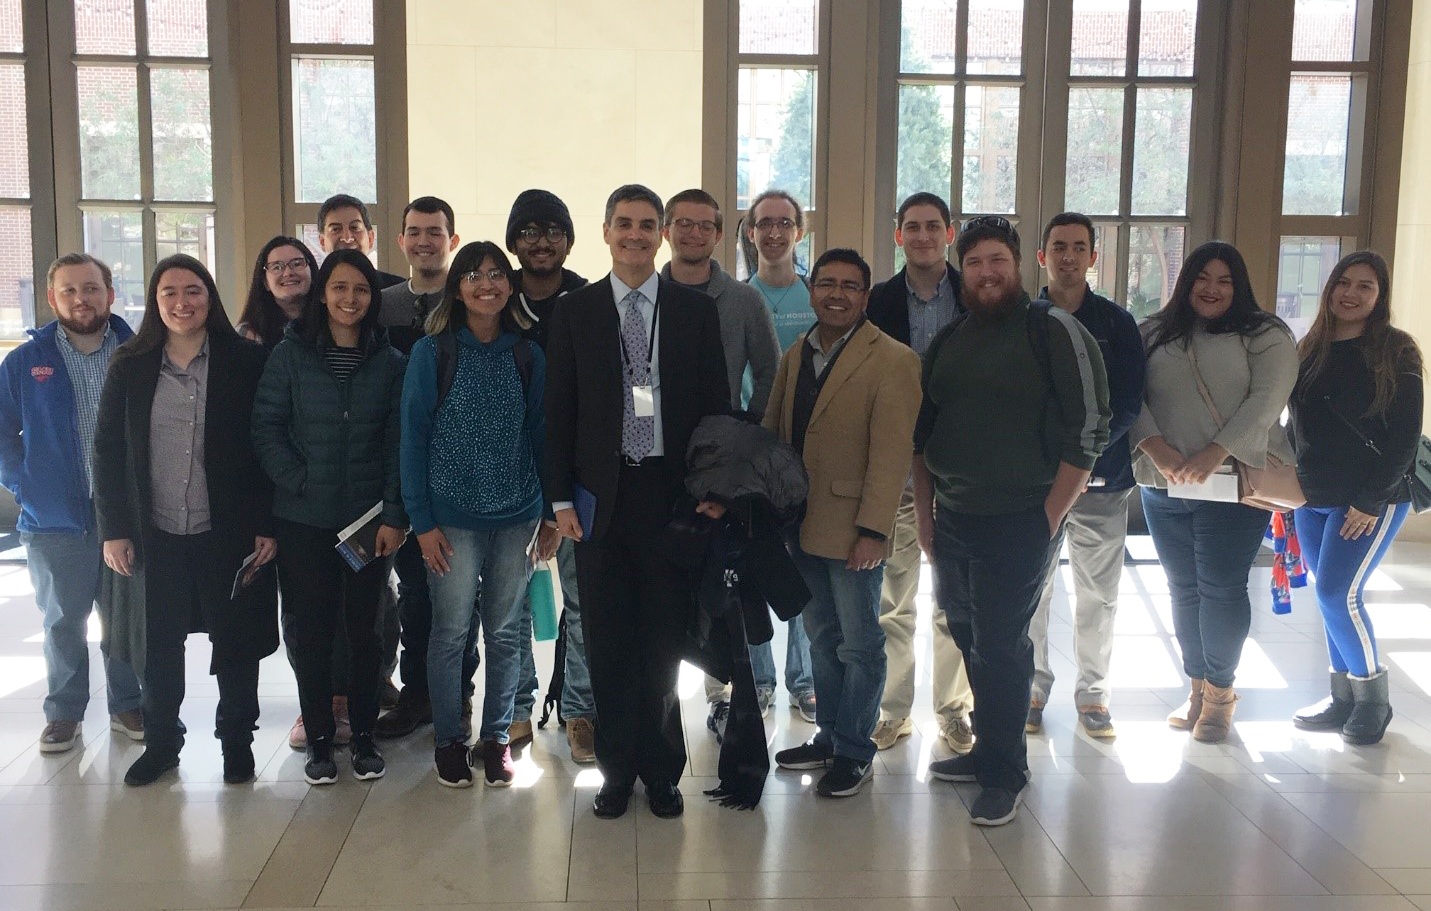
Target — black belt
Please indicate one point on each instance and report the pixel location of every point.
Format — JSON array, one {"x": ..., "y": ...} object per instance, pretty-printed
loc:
[{"x": 648, "y": 462}]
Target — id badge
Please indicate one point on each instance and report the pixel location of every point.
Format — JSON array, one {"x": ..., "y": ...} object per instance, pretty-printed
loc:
[{"x": 643, "y": 401}]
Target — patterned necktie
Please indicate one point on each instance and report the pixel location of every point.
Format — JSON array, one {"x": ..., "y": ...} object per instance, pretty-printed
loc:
[{"x": 638, "y": 435}]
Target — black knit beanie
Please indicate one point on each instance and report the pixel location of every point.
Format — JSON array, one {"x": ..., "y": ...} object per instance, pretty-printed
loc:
[{"x": 540, "y": 207}]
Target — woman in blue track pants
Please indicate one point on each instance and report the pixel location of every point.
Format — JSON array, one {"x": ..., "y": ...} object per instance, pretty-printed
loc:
[{"x": 1356, "y": 423}]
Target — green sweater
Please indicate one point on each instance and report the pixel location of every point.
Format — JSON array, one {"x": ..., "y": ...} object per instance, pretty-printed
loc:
[{"x": 991, "y": 429}]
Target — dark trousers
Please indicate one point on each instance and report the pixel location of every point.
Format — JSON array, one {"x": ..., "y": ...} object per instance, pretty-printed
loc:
[
  {"x": 321, "y": 596},
  {"x": 181, "y": 579},
  {"x": 988, "y": 574},
  {"x": 414, "y": 609},
  {"x": 635, "y": 605}
]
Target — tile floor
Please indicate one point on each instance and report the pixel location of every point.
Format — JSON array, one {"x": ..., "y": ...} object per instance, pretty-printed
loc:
[{"x": 1277, "y": 820}]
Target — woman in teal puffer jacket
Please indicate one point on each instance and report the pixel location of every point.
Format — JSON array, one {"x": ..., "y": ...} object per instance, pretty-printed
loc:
[{"x": 325, "y": 427}]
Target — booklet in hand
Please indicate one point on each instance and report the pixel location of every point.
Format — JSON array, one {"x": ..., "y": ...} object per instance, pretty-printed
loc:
[
  {"x": 358, "y": 543},
  {"x": 247, "y": 572}
]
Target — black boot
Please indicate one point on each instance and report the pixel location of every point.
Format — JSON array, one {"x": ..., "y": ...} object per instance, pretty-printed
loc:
[
  {"x": 238, "y": 761},
  {"x": 1331, "y": 713},
  {"x": 1372, "y": 710}
]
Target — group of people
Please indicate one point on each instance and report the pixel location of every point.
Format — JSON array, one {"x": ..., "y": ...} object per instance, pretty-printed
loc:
[{"x": 494, "y": 418}]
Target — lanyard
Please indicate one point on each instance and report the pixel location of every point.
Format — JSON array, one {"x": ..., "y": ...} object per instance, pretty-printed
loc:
[{"x": 651, "y": 347}]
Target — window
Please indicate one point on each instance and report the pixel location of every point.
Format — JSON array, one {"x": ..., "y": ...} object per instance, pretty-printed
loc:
[
  {"x": 17, "y": 284},
  {"x": 1303, "y": 265}
]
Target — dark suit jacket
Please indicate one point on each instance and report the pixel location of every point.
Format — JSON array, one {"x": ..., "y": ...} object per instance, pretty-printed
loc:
[
  {"x": 584, "y": 392},
  {"x": 889, "y": 304}
]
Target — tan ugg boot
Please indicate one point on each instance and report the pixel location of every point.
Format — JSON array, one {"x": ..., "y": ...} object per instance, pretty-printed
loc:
[
  {"x": 1215, "y": 721},
  {"x": 1187, "y": 714}
]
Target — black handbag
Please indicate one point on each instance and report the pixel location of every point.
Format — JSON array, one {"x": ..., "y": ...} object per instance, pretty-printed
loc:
[{"x": 1418, "y": 473}]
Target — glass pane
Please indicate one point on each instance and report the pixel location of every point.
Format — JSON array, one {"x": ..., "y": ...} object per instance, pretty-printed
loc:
[
  {"x": 926, "y": 126},
  {"x": 991, "y": 138},
  {"x": 309, "y": 234},
  {"x": 1103, "y": 277},
  {"x": 1303, "y": 265},
  {"x": 926, "y": 36},
  {"x": 1318, "y": 116},
  {"x": 330, "y": 21},
  {"x": 109, "y": 132},
  {"x": 334, "y": 130},
  {"x": 12, "y": 32},
  {"x": 1100, "y": 37},
  {"x": 178, "y": 28},
  {"x": 183, "y": 144},
  {"x": 118, "y": 239},
  {"x": 1167, "y": 37},
  {"x": 17, "y": 279},
  {"x": 1155, "y": 254},
  {"x": 778, "y": 26},
  {"x": 1160, "y": 151},
  {"x": 996, "y": 36},
  {"x": 775, "y": 131},
  {"x": 1324, "y": 30},
  {"x": 14, "y": 136},
  {"x": 185, "y": 232},
  {"x": 104, "y": 27},
  {"x": 1095, "y": 150}
]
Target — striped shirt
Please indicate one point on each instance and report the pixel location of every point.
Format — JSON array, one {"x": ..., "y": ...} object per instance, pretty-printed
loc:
[
  {"x": 342, "y": 361},
  {"x": 86, "y": 373}
]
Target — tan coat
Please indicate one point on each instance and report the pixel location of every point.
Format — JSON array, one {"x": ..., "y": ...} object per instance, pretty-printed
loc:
[{"x": 859, "y": 441}]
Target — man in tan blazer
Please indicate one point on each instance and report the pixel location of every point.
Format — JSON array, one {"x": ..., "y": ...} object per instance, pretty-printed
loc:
[{"x": 846, "y": 397}]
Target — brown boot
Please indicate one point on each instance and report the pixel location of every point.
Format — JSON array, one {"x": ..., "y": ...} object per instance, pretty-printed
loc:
[
  {"x": 1187, "y": 714},
  {"x": 1215, "y": 721}
]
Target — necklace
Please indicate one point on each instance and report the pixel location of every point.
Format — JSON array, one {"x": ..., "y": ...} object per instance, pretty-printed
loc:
[{"x": 776, "y": 301}]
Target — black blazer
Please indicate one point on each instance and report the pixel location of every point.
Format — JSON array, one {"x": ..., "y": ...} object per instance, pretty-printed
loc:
[
  {"x": 584, "y": 392},
  {"x": 889, "y": 304}
]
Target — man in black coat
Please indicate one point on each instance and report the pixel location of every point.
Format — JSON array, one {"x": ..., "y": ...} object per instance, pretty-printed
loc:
[{"x": 633, "y": 363}]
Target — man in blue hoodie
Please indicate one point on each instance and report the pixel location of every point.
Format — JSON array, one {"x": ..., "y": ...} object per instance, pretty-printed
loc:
[{"x": 49, "y": 399}]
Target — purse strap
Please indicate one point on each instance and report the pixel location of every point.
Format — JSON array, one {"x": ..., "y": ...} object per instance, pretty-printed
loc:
[
  {"x": 1366, "y": 440},
  {"x": 1202, "y": 388}
]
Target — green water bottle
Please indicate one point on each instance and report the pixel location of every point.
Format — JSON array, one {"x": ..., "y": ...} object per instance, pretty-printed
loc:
[{"x": 541, "y": 597}]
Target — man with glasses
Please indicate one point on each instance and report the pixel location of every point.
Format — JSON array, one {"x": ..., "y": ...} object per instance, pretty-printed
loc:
[
  {"x": 921, "y": 299},
  {"x": 540, "y": 233},
  {"x": 775, "y": 224},
  {"x": 427, "y": 240},
  {"x": 845, "y": 398},
  {"x": 344, "y": 224},
  {"x": 1015, "y": 414}
]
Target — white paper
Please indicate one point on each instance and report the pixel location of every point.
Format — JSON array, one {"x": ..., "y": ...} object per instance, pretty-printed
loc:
[
  {"x": 1220, "y": 487},
  {"x": 643, "y": 401}
]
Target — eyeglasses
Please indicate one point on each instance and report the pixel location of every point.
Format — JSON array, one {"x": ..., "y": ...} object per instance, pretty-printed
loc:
[
  {"x": 769, "y": 224},
  {"x": 552, "y": 233},
  {"x": 289, "y": 265},
  {"x": 827, "y": 285},
  {"x": 495, "y": 276},
  {"x": 686, "y": 224}
]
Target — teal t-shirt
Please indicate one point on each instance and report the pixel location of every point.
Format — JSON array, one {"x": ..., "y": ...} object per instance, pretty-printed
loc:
[{"x": 790, "y": 307}]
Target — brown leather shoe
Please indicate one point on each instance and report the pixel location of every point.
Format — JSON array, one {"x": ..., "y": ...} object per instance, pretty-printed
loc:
[
  {"x": 1187, "y": 714},
  {"x": 130, "y": 724},
  {"x": 581, "y": 737},
  {"x": 519, "y": 735},
  {"x": 1218, "y": 704},
  {"x": 59, "y": 736},
  {"x": 412, "y": 712}
]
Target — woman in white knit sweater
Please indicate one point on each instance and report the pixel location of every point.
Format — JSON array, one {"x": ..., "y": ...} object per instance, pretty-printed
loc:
[{"x": 1211, "y": 330}]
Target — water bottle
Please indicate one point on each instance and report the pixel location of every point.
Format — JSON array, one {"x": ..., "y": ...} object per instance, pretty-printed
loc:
[{"x": 541, "y": 597}]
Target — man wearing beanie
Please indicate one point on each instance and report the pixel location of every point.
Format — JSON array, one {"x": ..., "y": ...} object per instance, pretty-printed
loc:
[{"x": 540, "y": 233}]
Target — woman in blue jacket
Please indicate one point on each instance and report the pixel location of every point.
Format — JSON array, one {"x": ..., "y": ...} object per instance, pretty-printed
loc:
[
  {"x": 325, "y": 426},
  {"x": 472, "y": 430}
]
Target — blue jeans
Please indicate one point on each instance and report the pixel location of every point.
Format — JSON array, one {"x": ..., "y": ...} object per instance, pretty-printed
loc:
[
  {"x": 798, "y": 680},
  {"x": 846, "y": 652},
  {"x": 493, "y": 561},
  {"x": 576, "y": 698},
  {"x": 65, "y": 570},
  {"x": 1340, "y": 569},
  {"x": 1207, "y": 549}
]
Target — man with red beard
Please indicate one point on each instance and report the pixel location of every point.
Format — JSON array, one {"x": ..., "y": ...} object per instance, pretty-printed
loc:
[
  {"x": 49, "y": 402},
  {"x": 1015, "y": 413}
]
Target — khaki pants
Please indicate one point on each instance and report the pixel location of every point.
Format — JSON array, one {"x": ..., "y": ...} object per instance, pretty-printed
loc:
[{"x": 952, "y": 696}]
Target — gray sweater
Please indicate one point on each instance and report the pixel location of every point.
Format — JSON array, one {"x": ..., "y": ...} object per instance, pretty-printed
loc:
[
  {"x": 1250, "y": 379},
  {"x": 747, "y": 333}
]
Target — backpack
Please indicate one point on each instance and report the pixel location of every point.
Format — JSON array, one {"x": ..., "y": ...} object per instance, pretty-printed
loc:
[{"x": 447, "y": 364}]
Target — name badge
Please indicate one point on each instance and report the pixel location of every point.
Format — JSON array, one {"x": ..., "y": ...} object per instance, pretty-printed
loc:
[{"x": 643, "y": 401}]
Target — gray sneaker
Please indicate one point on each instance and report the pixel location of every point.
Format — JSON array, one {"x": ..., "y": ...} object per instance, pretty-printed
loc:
[
  {"x": 995, "y": 807},
  {"x": 805, "y": 705},
  {"x": 956, "y": 768},
  {"x": 1096, "y": 722},
  {"x": 1033, "y": 722}
]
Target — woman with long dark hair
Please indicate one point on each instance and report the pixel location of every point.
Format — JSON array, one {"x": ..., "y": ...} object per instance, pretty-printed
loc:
[
  {"x": 282, "y": 276},
  {"x": 326, "y": 425},
  {"x": 1219, "y": 372},
  {"x": 1356, "y": 424},
  {"x": 472, "y": 435},
  {"x": 181, "y": 503}
]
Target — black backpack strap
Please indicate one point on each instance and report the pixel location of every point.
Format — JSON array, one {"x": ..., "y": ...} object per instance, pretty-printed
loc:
[
  {"x": 446, "y": 364},
  {"x": 522, "y": 354},
  {"x": 552, "y": 701}
]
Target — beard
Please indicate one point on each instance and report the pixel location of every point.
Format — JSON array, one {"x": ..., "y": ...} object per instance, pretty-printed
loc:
[
  {"x": 1004, "y": 298},
  {"x": 524, "y": 260},
  {"x": 83, "y": 327}
]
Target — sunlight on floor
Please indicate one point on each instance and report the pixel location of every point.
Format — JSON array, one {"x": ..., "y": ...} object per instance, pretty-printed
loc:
[{"x": 16, "y": 673}]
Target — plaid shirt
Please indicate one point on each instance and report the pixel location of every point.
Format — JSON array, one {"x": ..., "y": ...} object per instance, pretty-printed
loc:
[{"x": 87, "y": 380}]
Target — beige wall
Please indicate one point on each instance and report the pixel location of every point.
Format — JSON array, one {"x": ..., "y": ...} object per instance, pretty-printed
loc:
[
  {"x": 1413, "y": 228},
  {"x": 555, "y": 94}
]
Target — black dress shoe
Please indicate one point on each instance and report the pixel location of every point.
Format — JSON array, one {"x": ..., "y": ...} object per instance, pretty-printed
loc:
[
  {"x": 149, "y": 766},
  {"x": 665, "y": 800},
  {"x": 238, "y": 762},
  {"x": 611, "y": 801}
]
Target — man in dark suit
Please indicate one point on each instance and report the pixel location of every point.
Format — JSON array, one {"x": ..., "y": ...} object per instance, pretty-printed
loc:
[{"x": 634, "y": 361}]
